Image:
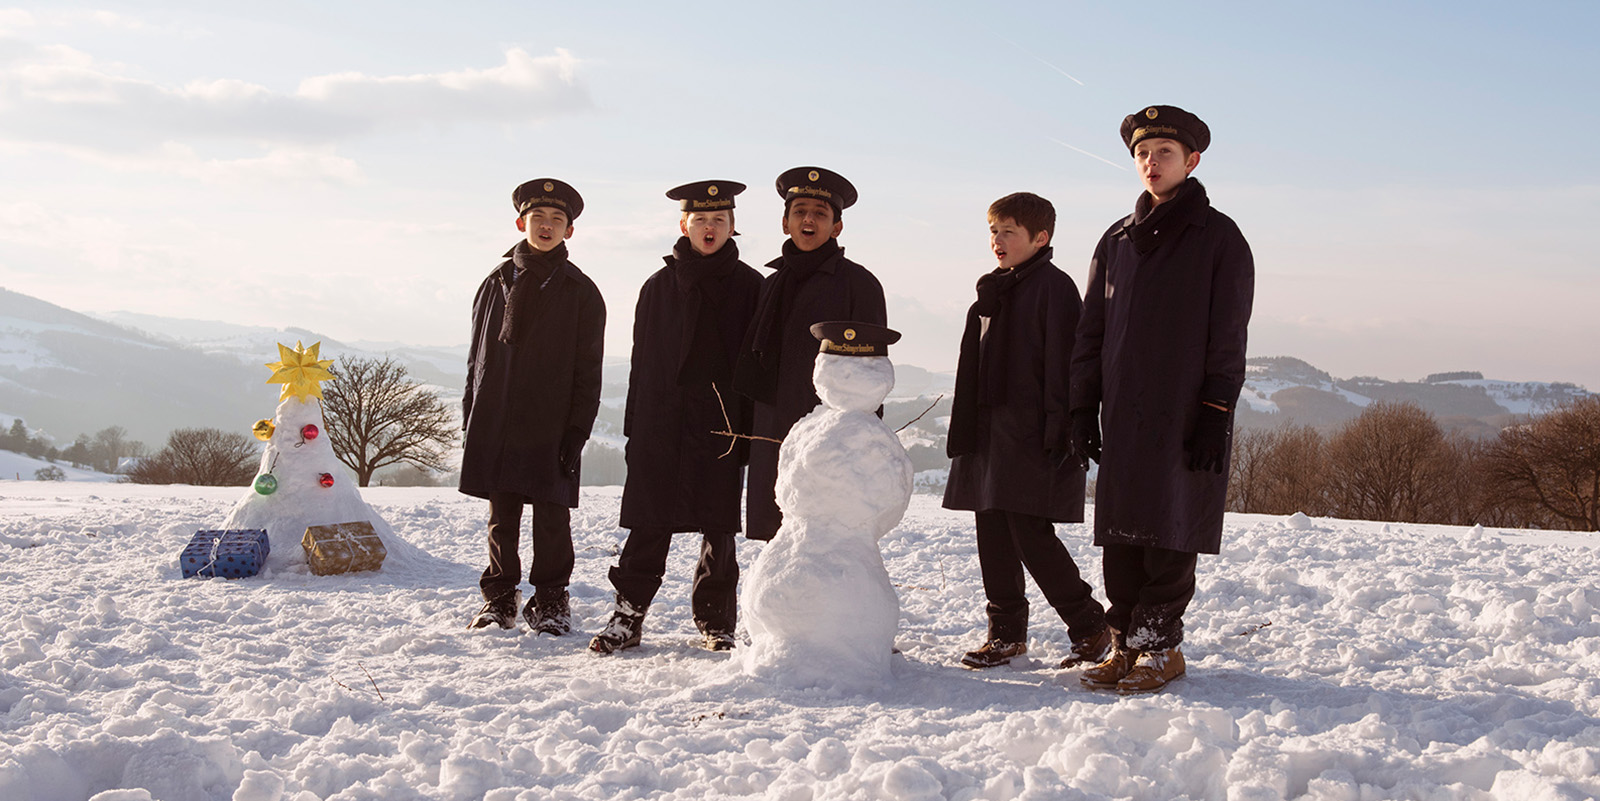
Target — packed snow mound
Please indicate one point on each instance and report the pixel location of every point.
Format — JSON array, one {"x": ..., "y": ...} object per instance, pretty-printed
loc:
[
  {"x": 852, "y": 383},
  {"x": 845, "y": 467},
  {"x": 820, "y": 610}
]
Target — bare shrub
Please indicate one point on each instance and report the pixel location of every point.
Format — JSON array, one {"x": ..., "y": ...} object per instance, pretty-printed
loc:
[{"x": 200, "y": 456}]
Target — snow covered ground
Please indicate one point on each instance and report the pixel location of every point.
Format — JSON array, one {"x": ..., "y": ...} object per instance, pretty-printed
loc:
[{"x": 1416, "y": 662}]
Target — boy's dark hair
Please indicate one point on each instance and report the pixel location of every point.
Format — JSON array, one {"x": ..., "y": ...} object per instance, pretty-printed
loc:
[{"x": 1028, "y": 210}]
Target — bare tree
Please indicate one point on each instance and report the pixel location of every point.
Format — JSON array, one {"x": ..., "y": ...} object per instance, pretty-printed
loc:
[
  {"x": 1389, "y": 464},
  {"x": 200, "y": 456},
  {"x": 1552, "y": 463},
  {"x": 108, "y": 447},
  {"x": 1277, "y": 471},
  {"x": 1300, "y": 475},
  {"x": 378, "y": 416}
]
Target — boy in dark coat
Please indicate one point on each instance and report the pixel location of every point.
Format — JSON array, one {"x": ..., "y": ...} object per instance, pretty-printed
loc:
[
  {"x": 687, "y": 328},
  {"x": 533, "y": 389},
  {"x": 1159, "y": 363},
  {"x": 1010, "y": 437},
  {"x": 813, "y": 283}
]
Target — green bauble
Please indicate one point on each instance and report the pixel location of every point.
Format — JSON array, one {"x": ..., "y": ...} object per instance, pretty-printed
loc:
[{"x": 266, "y": 484}]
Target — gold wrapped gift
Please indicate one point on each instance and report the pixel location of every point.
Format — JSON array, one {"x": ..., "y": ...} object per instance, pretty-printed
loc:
[{"x": 343, "y": 548}]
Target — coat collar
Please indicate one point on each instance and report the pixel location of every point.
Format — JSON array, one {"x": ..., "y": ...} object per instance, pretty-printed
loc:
[
  {"x": 1188, "y": 208},
  {"x": 507, "y": 271},
  {"x": 829, "y": 266}
]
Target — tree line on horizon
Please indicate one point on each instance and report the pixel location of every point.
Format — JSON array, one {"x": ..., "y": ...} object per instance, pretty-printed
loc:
[
  {"x": 1395, "y": 463},
  {"x": 1392, "y": 463},
  {"x": 376, "y": 416},
  {"x": 103, "y": 451}
]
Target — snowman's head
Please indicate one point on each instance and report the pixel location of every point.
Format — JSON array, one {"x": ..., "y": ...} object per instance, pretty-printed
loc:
[{"x": 852, "y": 383}]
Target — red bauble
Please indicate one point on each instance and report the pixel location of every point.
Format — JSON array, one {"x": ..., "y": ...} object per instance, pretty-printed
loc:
[
  {"x": 327, "y": 478},
  {"x": 309, "y": 431}
]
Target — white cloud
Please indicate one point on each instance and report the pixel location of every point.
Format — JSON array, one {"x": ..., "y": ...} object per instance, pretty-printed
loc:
[
  {"x": 524, "y": 88},
  {"x": 60, "y": 98},
  {"x": 13, "y": 19}
]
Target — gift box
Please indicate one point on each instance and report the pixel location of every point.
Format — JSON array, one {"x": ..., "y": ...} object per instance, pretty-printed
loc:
[
  {"x": 343, "y": 548},
  {"x": 234, "y": 553}
]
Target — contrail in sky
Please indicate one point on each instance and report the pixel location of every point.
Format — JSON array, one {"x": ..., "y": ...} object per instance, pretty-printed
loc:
[
  {"x": 1086, "y": 153},
  {"x": 1040, "y": 60}
]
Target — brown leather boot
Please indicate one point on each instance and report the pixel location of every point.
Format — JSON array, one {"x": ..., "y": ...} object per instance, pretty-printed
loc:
[
  {"x": 1112, "y": 669},
  {"x": 1152, "y": 671},
  {"x": 1090, "y": 650},
  {"x": 993, "y": 654}
]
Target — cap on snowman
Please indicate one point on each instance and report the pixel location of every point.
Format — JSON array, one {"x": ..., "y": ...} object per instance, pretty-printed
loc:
[{"x": 847, "y": 338}]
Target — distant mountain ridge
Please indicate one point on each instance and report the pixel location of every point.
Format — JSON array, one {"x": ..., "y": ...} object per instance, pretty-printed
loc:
[
  {"x": 1282, "y": 389},
  {"x": 68, "y": 373}
]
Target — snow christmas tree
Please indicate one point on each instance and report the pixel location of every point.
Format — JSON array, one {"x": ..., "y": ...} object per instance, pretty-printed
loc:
[{"x": 301, "y": 483}]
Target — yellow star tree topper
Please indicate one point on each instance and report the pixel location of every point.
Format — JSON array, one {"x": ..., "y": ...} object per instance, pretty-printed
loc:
[{"x": 299, "y": 371}]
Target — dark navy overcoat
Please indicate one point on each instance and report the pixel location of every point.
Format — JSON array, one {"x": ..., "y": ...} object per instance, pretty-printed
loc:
[
  {"x": 1161, "y": 331},
  {"x": 521, "y": 397}
]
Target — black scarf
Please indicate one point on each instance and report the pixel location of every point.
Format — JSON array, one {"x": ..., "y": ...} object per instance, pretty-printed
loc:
[
  {"x": 699, "y": 280},
  {"x": 1152, "y": 225},
  {"x": 981, "y": 375},
  {"x": 795, "y": 267},
  {"x": 534, "y": 269}
]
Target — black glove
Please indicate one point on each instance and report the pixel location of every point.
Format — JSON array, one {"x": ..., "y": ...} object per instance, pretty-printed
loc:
[
  {"x": 571, "y": 449},
  {"x": 1208, "y": 447},
  {"x": 1086, "y": 433}
]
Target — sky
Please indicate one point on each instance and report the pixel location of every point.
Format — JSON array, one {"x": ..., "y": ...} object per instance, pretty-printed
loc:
[{"x": 1414, "y": 178}]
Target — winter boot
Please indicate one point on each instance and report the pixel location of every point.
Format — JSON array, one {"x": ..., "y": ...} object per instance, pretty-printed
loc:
[
  {"x": 718, "y": 640},
  {"x": 500, "y": 610},
  {"x": 993, "y": 654},
  {"x": 1153, "y": 671},
  {"x": 547, "y": 611},
  {"x": 1090, "y": 650},
  {"x": 716, "y": 636},
  {"x": 1113, "y": 668},
  {"x": 624, "y": 630}
]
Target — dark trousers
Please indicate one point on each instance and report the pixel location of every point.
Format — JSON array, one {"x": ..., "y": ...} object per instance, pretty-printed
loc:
[
  {"x": 1010, "y": 541},
  {"x": 638, "y": 573},
  {"x": 1149, "y": 589},
  {"x": 551, "y": 532}
]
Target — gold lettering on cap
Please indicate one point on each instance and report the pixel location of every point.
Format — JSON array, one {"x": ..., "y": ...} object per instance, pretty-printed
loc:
[
  {"x": 1154, "y": 130},
  {"x": 543, "y": 201}
]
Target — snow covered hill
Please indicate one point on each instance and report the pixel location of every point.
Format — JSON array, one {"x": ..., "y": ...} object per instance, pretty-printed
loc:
[
  {"x": 67, "y": 374},
  {"x": 1282, "y": 389},
  {"x": 1329, "y": 660},
  {"x": 20, "y": 467}
]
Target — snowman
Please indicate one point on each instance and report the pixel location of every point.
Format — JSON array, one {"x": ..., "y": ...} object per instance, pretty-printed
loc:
[{"x": 820, "y": 607}]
